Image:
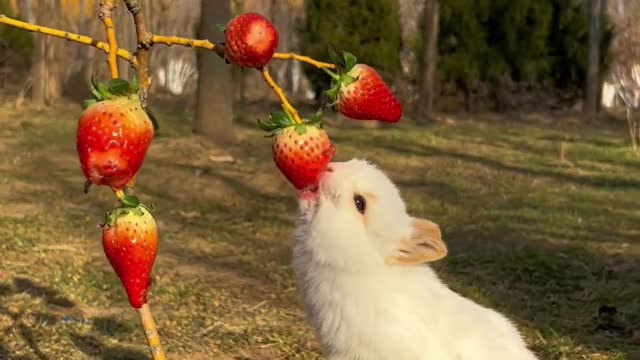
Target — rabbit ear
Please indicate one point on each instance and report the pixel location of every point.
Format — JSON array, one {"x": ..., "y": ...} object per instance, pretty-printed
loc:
[{"x": 424, "y": 245}]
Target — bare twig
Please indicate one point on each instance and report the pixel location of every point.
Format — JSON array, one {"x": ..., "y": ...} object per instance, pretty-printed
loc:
[
  {"x": 144, "y": 44},
  {"x": 140, "y": 60},
  {"x": 81, "y": 39},
  {"x": 283, "y": 99},
  {"x": 151, "y": 333},
  {"x": 106, "y": 16},
  {"x": 208, "y": 45},
  {"x": 196, "y": 44},
  {"x": 304, "y": 59}
]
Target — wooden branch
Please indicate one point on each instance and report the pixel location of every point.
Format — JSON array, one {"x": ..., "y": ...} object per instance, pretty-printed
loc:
[
  {"x": 144, "y": 44},
  {"x": 283, "y": 99},
  {"x": 106, "y": 16},
  {"x": 208, "y": 45},
  {"x": 151, "y": 333},
  {"x": 119, "y": 193},
  {"x": 140, "y": 60},
  {"x": 304, "y": 59},
  {"x": 193, "y": 43},
  {"x": 81, "y": 39},
  {"x": 150, "y": 40}
]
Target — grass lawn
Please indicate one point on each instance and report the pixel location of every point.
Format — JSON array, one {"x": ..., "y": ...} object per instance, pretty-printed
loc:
[{"x": 550, "y": 237}]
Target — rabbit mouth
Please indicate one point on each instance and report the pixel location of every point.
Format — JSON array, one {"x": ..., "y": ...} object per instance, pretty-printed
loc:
[
  {"x": 313, "y": 192},
  {"x": 310, "y": 193}
]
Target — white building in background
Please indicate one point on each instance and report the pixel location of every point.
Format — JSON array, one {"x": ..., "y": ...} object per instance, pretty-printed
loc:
[
  {"x": 622, "y": 91},
  {"x": 622, "y": 88}
]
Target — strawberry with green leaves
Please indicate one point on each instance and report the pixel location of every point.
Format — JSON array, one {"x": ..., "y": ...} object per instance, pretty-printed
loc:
[
  {"x": 360, "y": 93},
  {"x": 130, "y": 242},
  {"x": 250, "y": 40},
  {"x": 113, "y": 135},
  {"x": 301, "y": 151}
]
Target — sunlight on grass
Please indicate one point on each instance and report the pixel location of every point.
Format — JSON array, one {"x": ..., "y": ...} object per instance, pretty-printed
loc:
[{"x": 545, "y": 232}]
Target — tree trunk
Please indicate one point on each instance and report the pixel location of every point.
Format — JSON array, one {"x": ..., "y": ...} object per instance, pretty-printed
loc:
[
  {"x": 214, "y": 113},
  {"x": 593, "y": 71},
  {"x": 54, "y": 65},
  {"x": 430, "y": 58},
  {"x": 38, "y": 61},
  {"x": 26, "y": 10},
  {"x": 38, "y": 72},
  {"x": 54, "y": 69}
]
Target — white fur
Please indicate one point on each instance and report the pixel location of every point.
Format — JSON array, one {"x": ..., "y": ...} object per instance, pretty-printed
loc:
[{"x": 363, "y": 309}]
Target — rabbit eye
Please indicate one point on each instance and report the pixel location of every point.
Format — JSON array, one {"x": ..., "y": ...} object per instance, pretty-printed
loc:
[{"x": 361, "y": 203}]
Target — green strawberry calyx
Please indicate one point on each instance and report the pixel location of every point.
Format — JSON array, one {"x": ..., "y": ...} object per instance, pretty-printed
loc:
[
  {"x": 129, "y": 205},
  {"x": 341, "y": 78},
  {"x": 113, "y": 89},
  {"x": 282, "y": 120},
  {"x": 117, "y": 88}
]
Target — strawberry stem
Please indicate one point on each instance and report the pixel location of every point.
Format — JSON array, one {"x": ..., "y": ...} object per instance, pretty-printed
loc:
[
  {"x": 119, "y": 193},
  {"x": 332, "y": 74},
  {"x": 130, "y": 201},
  {"x": 283, "y": 99}
]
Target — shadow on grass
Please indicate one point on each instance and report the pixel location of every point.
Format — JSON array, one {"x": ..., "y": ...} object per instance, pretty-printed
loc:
[
  {"x": 431, "y": 151},
  {"x": 91, "y": 346},
  {"x": 51, "y": 296},
  {"x": 499, "y": 256},
  {"x": 29, "y": 330},
  {"x": 560, "y": 290},
  {"x": 6, "y": 354},
  {"x": 25, "y": 330},
  {"x": 111, "y": 326}
]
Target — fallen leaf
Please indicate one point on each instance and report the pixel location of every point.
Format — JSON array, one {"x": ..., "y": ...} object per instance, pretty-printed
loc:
[
  {"x": 189, "y": 215},
  {"x": 222, "y": 158}
]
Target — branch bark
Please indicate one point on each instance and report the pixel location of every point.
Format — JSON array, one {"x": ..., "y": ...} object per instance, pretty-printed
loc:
[
  {"x": 151, "y": 333},
  {"x": 81, "y": 39},
  {"x": 106, "y": 16},
  {"x": 144, "y": 44}
]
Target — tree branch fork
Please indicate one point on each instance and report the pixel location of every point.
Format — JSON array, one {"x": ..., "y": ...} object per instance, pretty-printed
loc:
[{"x": 139, "y": 60}]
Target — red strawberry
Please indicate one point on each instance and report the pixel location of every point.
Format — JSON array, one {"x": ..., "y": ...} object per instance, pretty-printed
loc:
[
  {"x": 362, "y": 94},
  {"x": 300, "y": 151},
  {"x": 114, "y": 133},
  {"x": 251, "y": 40},
  {"x": 130, "y": 242}
]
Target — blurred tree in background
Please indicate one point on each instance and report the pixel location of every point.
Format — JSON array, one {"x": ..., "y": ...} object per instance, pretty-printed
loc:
[
  {"x": 492, "y": 44},
  {"x": 214, "y": 107},
  {"x": 14, "y": 43},
  {"x": 491, "y": 54},
  {"x": 488, "y": 50},
  {"x": 370, "y": 29}
]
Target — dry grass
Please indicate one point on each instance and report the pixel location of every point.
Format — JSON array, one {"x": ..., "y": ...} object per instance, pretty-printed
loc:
[{"x": 546, "y": 240}]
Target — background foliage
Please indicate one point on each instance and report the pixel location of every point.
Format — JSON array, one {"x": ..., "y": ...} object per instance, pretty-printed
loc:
[
  {"x": 15, "y": 45},
  {"x": 368, "y": 28},
  {"x": 539, "y": 43},
  {"x": 530, "y": 41}
]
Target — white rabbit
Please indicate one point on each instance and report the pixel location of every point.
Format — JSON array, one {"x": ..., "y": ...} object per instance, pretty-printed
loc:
[{"x": 360, "y": 263}]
